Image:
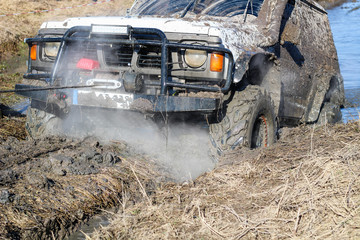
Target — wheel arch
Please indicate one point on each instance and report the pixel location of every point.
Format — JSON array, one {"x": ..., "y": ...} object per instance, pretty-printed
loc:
[
  {"x": 259, "y": 69},
  {"x": 252, "y": 68},
  {"x": 328, "y": 92}
]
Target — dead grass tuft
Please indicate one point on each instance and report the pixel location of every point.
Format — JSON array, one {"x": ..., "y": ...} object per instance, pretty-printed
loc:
[
  {"x": 305, "y": 187},
  {"x": 12, "y": 126}
]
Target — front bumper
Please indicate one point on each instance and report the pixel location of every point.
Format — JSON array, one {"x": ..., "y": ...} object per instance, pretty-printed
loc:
[{"x": 66, "y": 99}]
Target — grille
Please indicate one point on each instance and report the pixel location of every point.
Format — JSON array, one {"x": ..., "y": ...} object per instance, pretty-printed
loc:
[
  {"x": 149, "y": 61},
  {"x": 149, "y": 57},
  {"x": 118, "y": 56}
]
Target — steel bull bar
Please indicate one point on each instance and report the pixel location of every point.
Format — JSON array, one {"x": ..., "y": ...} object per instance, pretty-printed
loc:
[{"x": 162, "y": 102}]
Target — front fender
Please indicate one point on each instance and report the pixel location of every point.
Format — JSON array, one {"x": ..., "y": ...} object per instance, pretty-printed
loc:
[{"x": 241, "y": 65}]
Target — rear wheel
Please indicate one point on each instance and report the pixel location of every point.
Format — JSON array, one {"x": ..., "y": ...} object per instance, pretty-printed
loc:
[{"x": 249, "y": 121}]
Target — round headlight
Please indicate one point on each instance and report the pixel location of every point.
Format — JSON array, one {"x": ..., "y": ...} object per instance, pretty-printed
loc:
[
  {"x": 195, "y": 58},
  {"x": 51, "y": 49}
]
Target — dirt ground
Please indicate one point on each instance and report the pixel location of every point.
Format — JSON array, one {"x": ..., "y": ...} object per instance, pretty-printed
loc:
[{"x": 304, "y": 187}]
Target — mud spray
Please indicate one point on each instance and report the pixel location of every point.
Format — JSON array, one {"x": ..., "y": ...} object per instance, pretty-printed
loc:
[{"x": 180, "y": 147}]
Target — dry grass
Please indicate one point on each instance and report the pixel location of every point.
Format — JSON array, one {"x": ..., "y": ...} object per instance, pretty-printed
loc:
[
  {"x": 8, "y": 82},
  {"x": 305, "y": 187},
  {"x": 12, "y": 126}
]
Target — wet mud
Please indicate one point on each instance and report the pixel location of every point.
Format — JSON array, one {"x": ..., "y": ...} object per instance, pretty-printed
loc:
[{"x": 48, "y": 187}]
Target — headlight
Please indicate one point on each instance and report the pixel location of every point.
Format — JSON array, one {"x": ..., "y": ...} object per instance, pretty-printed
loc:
[
  {"x": 195, "y": 58},
  {"x": 51, "y": 49}
]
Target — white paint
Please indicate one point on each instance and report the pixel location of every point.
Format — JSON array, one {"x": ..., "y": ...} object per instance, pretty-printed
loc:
[{"x": 122, "y": 100}]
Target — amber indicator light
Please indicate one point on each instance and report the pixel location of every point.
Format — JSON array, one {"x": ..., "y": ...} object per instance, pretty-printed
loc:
[
  {"x": 216, "y": 62},
  {"x": 33, "y": 52}
]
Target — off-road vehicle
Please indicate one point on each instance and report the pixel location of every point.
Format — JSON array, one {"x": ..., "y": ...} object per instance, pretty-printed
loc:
[{"x": 247, "y": 67}]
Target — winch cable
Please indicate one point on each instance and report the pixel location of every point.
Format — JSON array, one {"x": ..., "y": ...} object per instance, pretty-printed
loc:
[{"x": 45, "y": 88}]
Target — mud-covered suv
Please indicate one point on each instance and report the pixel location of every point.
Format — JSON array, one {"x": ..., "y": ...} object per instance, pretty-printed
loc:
[{"x": 245, "y": 66}]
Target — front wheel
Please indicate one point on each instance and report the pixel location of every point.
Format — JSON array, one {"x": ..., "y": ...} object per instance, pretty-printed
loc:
[
  {"x": 249, "y": 120},
  {"x": 40, "y": 123}
]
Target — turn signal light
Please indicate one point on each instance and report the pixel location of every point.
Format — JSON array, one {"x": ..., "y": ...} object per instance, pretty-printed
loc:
[
  {"x": 33, "y": 52},
  {"x": 216, "y": 62}
]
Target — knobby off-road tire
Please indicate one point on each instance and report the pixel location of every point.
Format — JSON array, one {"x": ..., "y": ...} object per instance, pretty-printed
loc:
[
  {"x": 40, "y": 123},
  {"x": 249, "y": 121}
]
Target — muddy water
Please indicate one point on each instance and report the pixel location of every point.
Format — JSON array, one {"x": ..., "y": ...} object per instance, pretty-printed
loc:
[{"x": 344, "y": 21}]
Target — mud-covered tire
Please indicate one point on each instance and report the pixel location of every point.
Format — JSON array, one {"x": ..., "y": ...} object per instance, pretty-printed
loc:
[
  {"x": 40, "y": 123},
  {"x": 249, "y": 121}
]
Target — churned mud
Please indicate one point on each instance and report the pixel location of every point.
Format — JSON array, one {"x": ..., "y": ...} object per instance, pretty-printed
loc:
[{"x": 49, "y": 186}]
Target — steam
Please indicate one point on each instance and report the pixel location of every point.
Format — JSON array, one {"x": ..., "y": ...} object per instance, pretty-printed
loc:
[{"x": 182, "y": 148}]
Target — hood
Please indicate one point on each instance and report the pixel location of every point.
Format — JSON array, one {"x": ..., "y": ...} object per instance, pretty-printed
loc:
[
  {"x": 167, "y": 25},
  {"x": 236, "y": 37}
]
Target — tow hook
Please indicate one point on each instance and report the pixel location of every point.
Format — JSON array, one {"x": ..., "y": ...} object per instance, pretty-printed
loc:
[{"x": 59, "y": 98}]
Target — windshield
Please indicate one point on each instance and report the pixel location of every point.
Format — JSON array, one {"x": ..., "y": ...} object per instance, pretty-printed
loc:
[{"x": 217, "y": 8}]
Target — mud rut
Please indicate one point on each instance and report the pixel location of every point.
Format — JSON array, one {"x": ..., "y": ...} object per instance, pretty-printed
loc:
[{"x": 48, "y": 187}]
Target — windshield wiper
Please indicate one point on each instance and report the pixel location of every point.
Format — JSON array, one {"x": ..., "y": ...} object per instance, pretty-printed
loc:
[{"x": 194, "y": 3}]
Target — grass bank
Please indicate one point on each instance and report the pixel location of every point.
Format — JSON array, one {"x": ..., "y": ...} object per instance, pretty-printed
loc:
[{"x": 307, "y": 186}]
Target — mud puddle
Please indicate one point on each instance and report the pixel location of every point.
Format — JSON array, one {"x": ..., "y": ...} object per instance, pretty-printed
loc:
[{"x": 55, "y": 186}]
